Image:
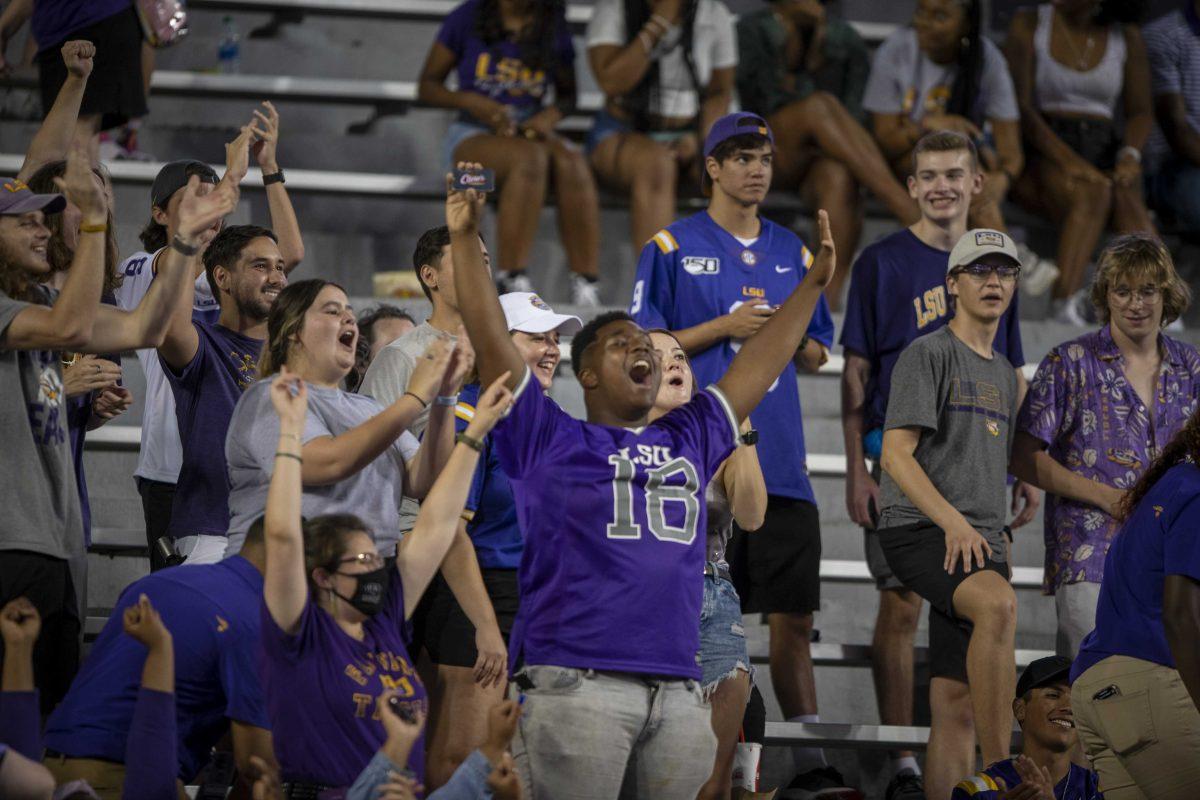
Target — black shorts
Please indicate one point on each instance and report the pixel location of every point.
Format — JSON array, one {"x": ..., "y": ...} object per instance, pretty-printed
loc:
[
  {"x": 1096, "y": 141},
  {"x": 777, "y": 568},
  {"x": 917, "y": 555},
  {"x": 442, "y": 627},
  {"x": 114, "y": 90}
]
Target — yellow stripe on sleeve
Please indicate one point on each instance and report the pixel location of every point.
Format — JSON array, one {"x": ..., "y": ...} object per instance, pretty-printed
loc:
[
  {"x": 665, "y": 241},
  {"x": 806, "y": 256}
]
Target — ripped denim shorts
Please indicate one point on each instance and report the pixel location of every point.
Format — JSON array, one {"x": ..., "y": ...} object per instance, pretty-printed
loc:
[{"x": 722, "y": 637}]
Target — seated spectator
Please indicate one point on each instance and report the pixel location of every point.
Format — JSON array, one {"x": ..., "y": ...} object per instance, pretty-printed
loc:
[
  {"x": 1136, "y": 680},
  {"x": 1043, "y": 770},
  {"x": 736, "y": 493},
  {"x": 1071, "y": 62},
  {"x": 944, "y": 74},
  {"x": 377, "y": 328},
  {"x": 1086, "y": 447},
  {"x": 509, "y": 56},
  {"x": 667, "y": 73},
  {"x": 467, "y": 638},
  {"x": 22, "y": 777},
  {"x": 212, "y": 612},
  {"x": 804, "y": 71},
  {"x": 358, "y": 454},
  {"x": 332, "y": 601},
  {"x": 1172, "y": 155}
]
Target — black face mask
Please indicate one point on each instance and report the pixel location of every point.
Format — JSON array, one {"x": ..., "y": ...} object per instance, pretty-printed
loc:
[{"x": 370, "y": 590}]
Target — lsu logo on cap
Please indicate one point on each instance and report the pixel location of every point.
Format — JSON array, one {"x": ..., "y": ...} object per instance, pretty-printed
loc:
[
  {"x": 538, "y": 303},
  {"x": 989, "y": 238},
  {"x": 16, "y": 186},
  {"x": 700, "y": 265}
]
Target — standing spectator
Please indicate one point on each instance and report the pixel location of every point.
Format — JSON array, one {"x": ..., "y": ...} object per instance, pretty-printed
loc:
[
  {"x": 1072, "y": 61},
  {"x": 334, "y": 611},
  {"x": 667, "y": 72},
  {"x": 898, "y": 293},
  {"x": 714, "y": 279},
  {"x": 377, "y": 328},
  {"x": 616, "y": 689},
  {"x": 804, "y": 71},
  {"x": 467, "y": 639},
  {"x": 1136, "y": 680},
  {"x": 1172, "y": 154},
  {"x": 212, "y": 612},
  {"x": 160, "y": 453},
  {"x": 1098, "y": 411},
  {"x": 946, "y": 447},
  {"x": 509, "y": 56}
]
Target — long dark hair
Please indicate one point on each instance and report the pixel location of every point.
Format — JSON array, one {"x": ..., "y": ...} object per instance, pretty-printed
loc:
[
  {"x": 537, "y": 43},
  {"x": 57, "y": 252},
  {"x": 1185, "y": 446},
  {"x": 964, "y": 94},
  {"x": 637, "y": 101}
]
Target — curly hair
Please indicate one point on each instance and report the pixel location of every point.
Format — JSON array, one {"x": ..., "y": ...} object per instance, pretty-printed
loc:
[
  {"x": 57, "y": 252},
  {"x": 1185, "y": 446},
  {"x": 1134, "y": 259},
  {"x": 536, "y": 42}
]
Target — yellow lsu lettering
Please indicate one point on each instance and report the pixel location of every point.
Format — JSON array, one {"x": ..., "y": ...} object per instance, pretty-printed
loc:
[
  {"x": 931, "y": 306},
  {"x": 977, "y": 393},
  {"x": 355, "y": 674},
  {"x": 754, "y": 291},
  {"x": 510, "y": 72}
]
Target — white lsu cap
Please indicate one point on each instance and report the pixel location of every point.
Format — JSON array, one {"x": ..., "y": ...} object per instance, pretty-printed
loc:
[
  {"x": 980, "y": 242},
  {"x": 528, "y": 313}
]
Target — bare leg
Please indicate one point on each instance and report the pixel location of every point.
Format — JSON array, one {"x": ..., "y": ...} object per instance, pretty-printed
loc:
[
  {"x": 459, "y": 711},
  {"x": 728, "y": 708},
  {"x": 988, "y": 601},
  {"x": 892, "y": 657},
  {"x": 1129, "y": 213},
  {"x": 648, "y": 171},
  {"x": 578, "y": 207},
  {"x": 521, "y": 169},
  {"x": 951, "y": 754},
  {"x": 829, "y": 185},
  {"x": 791, "y": 663}
]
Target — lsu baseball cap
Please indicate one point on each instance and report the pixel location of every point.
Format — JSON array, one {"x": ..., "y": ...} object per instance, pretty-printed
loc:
[
  {"x": 17, "y": 198},
  {"x": 736, "y": 124},
  {"x": 174, "y": 176},
  {"x": 980, "y": 242},
  {"x": 1043, "y": 672},
  {"x": 528, "y": 313}
]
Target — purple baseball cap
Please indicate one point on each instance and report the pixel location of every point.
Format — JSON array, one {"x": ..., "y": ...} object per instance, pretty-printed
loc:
[
  {"x": 17, "y": 198},
  {"x": 736, "y": 124}
]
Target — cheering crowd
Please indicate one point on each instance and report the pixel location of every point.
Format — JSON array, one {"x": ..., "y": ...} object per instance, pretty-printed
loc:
[{"x": 385, "y": 563}]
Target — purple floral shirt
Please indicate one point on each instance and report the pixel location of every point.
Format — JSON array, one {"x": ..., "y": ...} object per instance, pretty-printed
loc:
[{"x": 1095, "y": 424}]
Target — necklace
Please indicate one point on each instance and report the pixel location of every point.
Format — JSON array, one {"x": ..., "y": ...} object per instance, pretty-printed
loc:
[{"x": 1081, "y": 59}]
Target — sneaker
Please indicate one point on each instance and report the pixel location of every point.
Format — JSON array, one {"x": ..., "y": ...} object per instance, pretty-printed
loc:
[
  {"x": 584, "y": 293},
  {"x": 905, "y": 786},
  {"x": 513, "y": 282},
  {"x": 1037, "y": 274},
  {"x": 1074, "y": 310},
  {"x": 825, "y": 783},
  {"x": 1175, "y": 327}
]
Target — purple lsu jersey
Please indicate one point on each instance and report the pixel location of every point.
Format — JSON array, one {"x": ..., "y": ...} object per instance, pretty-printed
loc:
[
  {"x": 614, "y": 523},
  {"x": 694, "y": 271}
]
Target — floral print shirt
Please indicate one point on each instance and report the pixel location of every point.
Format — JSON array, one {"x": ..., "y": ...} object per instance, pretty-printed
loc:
[{"x": 1095, "y": 424}]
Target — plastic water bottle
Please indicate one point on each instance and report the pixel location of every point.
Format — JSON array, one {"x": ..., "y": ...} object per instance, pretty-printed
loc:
[{"x": 229, "y": 52}]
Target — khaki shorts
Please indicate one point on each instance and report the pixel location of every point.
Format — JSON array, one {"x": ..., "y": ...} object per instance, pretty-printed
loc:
[
  {"x": 106, "y": 778},
  {"x": 1143, "y": 735}
]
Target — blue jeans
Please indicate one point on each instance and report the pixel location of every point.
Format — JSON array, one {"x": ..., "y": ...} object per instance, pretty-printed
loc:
[
  {"x": 1174, "y": 192},
  {"x": 722, "y": 636},
  {"x": 587, "y": 735}
]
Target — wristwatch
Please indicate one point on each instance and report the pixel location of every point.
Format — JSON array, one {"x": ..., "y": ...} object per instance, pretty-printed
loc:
[
  {"x": 750, "y": 438},
  {"x": 274, "y": 177}
]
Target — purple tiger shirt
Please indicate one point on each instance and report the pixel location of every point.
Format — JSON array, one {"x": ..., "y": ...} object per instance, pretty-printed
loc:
[{"x": 1094, "y": 424}]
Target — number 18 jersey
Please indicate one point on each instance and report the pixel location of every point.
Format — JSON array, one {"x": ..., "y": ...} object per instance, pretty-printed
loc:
[{"x": 614, "y": 525}]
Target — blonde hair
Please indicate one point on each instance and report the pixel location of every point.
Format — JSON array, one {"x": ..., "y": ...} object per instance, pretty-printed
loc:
[{"x": 1137, "y": 258}]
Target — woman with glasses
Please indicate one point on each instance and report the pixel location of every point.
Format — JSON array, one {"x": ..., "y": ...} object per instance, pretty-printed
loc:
[{"x": 1101, "y": 408}]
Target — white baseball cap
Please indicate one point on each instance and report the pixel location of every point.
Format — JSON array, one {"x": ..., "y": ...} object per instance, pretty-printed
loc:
[
  {"x": 975, "y": 244},
  {"x": 528, "y": 313}
]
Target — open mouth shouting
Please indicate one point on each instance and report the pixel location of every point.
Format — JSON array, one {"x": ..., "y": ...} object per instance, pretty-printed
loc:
[
  {"x": 641, "y": 371},
  {"x": 348, "y": 338}
]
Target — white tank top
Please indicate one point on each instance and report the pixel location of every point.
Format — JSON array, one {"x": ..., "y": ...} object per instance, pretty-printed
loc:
[{"x": 1060, "y": 89}]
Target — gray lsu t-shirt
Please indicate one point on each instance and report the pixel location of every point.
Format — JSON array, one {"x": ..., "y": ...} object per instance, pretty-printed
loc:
[
  {"x": 965, "y": 406},
  {"x": 372, "y": 494},
  {"x": 43, "y": 514}
]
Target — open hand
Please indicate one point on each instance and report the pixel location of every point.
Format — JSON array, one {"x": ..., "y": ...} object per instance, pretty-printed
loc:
[
  {"x": 78, "y": 57},
  {"x": 825, "y": 264},
  {"x": 965, "y": 543},
  {"x": 289, "y": 395},
  {"x": 199, "y": 213},
  {"x": 745, "y": 320},
  {"x": 1035, "y": 784},
  {"x": 491, "y": 662},
  {"x": 460, "y": 365},
  {"x": 20, "y": 623},
  {"x": 430, "y": 369},
  {"x": 266, "y": 128},
  {"x": 491, "y": 407},
  {"x": 464, "y": 208},
  {"x": 143, "y": 623},
  {"x": 237, "y": 155}
]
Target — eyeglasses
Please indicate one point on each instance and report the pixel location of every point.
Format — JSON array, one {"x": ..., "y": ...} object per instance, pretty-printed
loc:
[
  {"x": 1149, "y": 295},
  {"x": 370, "y": 560},
  {"x": 981, "y": 272}
]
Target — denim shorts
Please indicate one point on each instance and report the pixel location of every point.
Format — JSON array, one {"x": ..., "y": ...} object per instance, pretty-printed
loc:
[
  {"x": 465, "y": 127},
  {"x": 605, "y": 125},
  {"x": 722, "y": 636}
]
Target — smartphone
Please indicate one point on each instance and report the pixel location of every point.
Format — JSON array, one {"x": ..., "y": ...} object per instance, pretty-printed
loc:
[
  {"x": 482, "y": 180},
  {"x": 402, "y": 710}
]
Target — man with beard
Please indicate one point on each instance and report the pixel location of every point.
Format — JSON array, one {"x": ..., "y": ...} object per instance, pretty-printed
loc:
[{"x": 208, "y": 366}]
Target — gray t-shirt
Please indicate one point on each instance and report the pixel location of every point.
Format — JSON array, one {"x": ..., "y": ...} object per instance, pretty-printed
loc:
[
  {"x": 905, "y": 81},
  {"x": 373, "y": 493},
  {"x": 387, "y": 379},
  {"x": 965, "y": 406},
  {"x": 43, "y": 513}
]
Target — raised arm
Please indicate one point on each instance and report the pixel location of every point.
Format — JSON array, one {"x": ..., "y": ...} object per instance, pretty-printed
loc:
[
  {"x": 53, "y": 139},
  {"x": 766, "y": 353},
  {"x": 421, "y": 552},
  {"x": 495, "y": 353},
  {"x": 150, "y": 747},
  {"x": 20, "y": 721},
  {"x": 285, "y": 586},
  {"x": 283, "y": 215},
  {"x": 438, "y": 440}
]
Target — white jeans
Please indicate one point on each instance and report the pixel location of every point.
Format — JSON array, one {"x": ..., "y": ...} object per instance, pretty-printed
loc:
[
  {"x": 1076, "y": 607},
  {"x": 201, "y": 549}
]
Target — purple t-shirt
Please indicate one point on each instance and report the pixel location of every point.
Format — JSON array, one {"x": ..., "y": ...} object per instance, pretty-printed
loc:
[
  {"x": 322, "y": 684},
  {"x": 897, "y": 293},
  {"x": 612, "y": 585},
  {"x": 497, "y": 70},
  {"x": 1096, "y": 425},
  {"x": 1159, "y": 539},
  {"x": 54, "y": 21},
  {"x": 206, "y": 392}
]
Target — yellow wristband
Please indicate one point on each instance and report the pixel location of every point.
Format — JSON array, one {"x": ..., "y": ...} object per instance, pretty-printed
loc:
[{"x": 98, "y": 228}]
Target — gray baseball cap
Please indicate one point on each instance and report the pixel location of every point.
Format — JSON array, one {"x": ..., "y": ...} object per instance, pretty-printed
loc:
[
  {"x": 980, "y": 242},
  {"x": 16, "y": 198}
]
